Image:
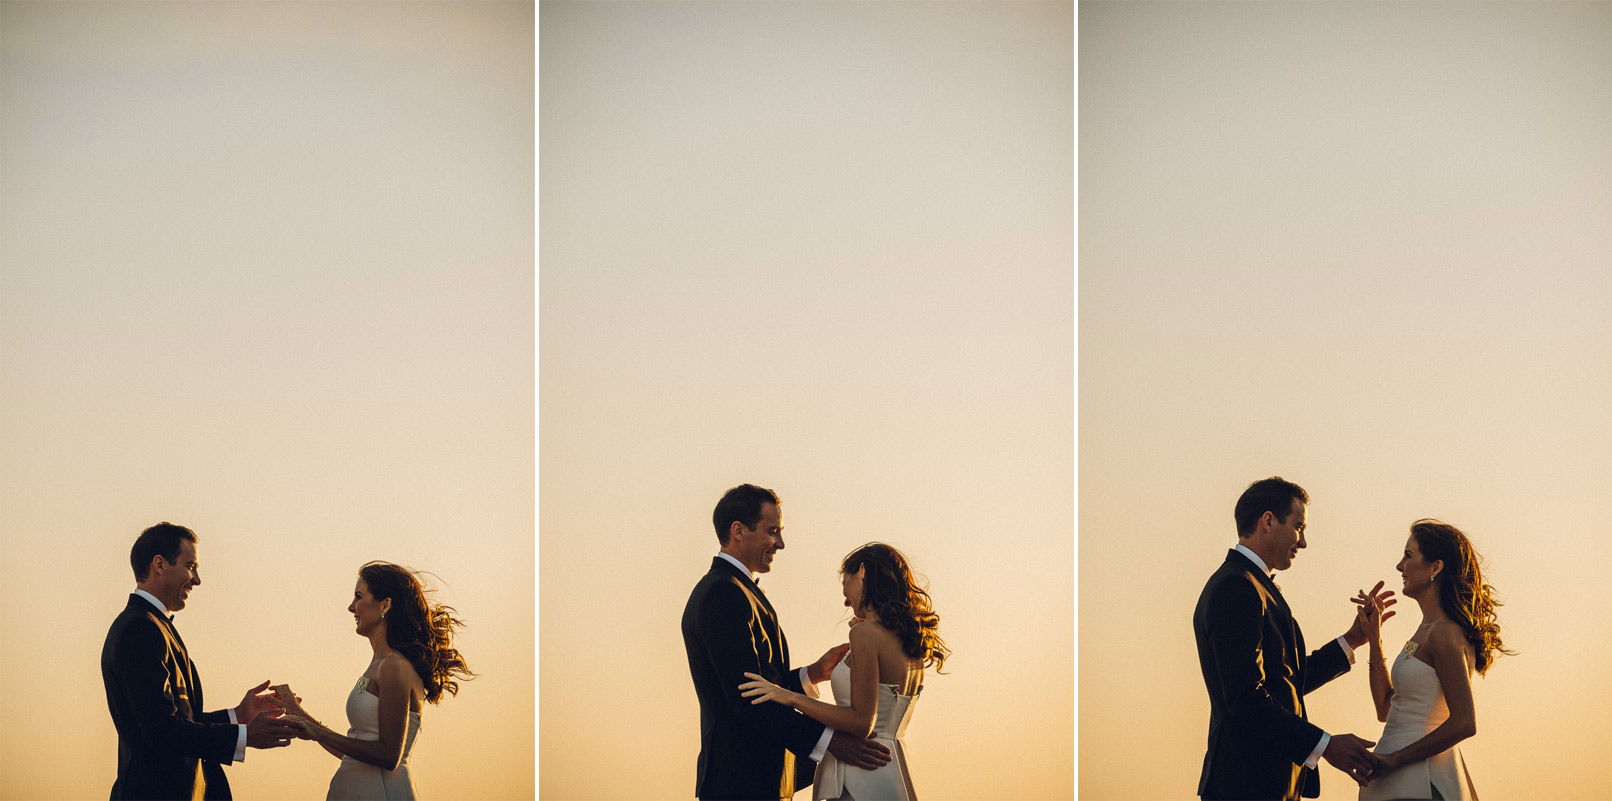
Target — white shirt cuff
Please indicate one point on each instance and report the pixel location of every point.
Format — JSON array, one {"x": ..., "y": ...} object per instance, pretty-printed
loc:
[
  {"x": 822, "y": 745},
  {"x": 807, "y": 686},
  {"x": 1343, "y": 643},
  {"x": 240, "y": 738},
  {"x": 1315, "y": 756}
]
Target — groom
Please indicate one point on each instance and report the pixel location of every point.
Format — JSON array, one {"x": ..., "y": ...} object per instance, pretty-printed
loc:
[
  {"x": 1261, "y": 743},
  {"x": 754, "y": 751},
  {"x": 167, "y": 747}
]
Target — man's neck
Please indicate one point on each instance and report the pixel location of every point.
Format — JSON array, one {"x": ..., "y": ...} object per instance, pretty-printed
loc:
[
  {"x": 740, "y": 562},
  {"x": 152, "y": 597},
  {"x": 1262, "y": 562}
]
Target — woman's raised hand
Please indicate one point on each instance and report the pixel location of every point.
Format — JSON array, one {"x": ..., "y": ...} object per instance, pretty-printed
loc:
[{"x": 1373, "y": 610}]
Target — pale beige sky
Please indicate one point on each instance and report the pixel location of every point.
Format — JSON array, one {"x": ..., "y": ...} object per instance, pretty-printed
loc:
[
  {"x": 825, "y": 248},
  {"x": 266, "y": 271},
  {"x": 1361, "y": 246}
]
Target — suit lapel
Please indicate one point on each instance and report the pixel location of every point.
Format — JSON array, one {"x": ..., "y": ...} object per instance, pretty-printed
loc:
[
  {"x": 1295, "y": 644},
  {"x": 770, "y": 619},
  {"x": 192, "y": 682}
]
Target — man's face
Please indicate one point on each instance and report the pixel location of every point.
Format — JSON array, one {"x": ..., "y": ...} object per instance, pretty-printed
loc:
[
  {"x": 174, "y": 580},
  {"x": 1287, "y": 536},
  {"x": 756, "y": 546}
]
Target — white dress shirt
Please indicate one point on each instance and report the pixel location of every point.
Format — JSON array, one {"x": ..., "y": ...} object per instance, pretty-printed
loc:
[
  {"x": 1326, "y": 739},
  {"x": 240, "y": 739},
  {"x": 805, "y": 678}
]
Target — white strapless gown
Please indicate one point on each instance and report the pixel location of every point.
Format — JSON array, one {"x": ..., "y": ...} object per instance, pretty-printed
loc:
[
  {"x": 360, "y": 781},
  {"x": 1417, "y": 708},
  {"x": 836, "y": 779}
]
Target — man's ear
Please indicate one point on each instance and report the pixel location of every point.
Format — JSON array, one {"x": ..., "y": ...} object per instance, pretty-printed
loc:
[
  {"x": 734, "y": 529},
  {"x": 156, "y": 562}
]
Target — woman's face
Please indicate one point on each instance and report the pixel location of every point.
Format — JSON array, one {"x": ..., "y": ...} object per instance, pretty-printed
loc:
[
  {"x": 1416, "y": 573},
  {"x": 851, "y": 586},
  {"x": 368, "y": 612}
]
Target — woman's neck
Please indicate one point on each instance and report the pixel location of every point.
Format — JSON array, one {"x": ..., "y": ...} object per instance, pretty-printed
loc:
[{"x": 1432, "y": 610}]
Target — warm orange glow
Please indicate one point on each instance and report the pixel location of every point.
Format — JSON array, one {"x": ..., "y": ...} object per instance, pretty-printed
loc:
[
  {"x": 824, "y": 248},
  {"x": 1360, "y": 246},
  {"x": 266, "y": 271}
]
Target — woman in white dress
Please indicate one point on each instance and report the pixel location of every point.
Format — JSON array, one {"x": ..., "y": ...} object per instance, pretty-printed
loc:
[
  {"x": 414, "y": 662},
  {"x": 1426, "y": 698},
  {"x": 894, "y": 637}
]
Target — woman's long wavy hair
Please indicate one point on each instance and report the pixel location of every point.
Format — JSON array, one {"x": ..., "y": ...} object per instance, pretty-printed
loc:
[
  {"x": 419, "y": 630},
  {"x": 903, "y": 607},
  {"x": 1462, "y": 593}
]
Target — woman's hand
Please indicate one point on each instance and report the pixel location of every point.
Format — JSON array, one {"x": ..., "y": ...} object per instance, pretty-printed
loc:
[
  {"x": 1373, "y": 611},
  {"x": 762, "y": 690},
  {"x": 305, "y": 727},
  {"x": 1383, "y": 764},
  {"x": 285, "y": 699}
]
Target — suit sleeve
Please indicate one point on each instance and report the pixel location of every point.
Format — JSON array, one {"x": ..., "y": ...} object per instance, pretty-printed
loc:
[
  {"x": 143, "y": 678},
  {"x": 1325, "y": 664},
  {"x": 724, "y": 618},
  {"x": 1236, "y": 621}
]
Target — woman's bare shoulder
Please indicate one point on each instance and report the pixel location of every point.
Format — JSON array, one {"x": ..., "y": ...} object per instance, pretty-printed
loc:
[{"x": 871, "y": 631}]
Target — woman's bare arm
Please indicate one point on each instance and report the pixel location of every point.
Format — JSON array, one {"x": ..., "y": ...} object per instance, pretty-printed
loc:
[
  {"x": 1452, "y": 659},
  {"x": 856, "y": 719},
  {"x": 393, "y": 681}
]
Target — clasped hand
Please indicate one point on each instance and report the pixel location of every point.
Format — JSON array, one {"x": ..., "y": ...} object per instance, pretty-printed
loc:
[{"x": 295, "y": 716}]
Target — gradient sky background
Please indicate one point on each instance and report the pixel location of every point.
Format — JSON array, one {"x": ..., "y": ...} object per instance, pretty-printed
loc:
[
  {"x": 1365, "y": 247},
  {"x": 824, "y": 248},
  {"x": 267, "y": 272}
]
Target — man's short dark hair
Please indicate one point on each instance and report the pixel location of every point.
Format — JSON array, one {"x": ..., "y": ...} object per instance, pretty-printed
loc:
[
  {"x": 162, "y": 539},
  {"x": 743, "y": 504},
  {"x": 1272, "y": 495}
]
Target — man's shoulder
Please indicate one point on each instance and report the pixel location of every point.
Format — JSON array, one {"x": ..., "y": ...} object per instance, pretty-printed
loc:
[{"x": 1234, "y": 577}]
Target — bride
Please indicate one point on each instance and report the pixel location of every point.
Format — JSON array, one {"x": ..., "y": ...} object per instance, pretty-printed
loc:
[
  {"x": 414, "y": 662},
  {"x": 1426, "y": 700},
  {"x": 894, "y": 637}
]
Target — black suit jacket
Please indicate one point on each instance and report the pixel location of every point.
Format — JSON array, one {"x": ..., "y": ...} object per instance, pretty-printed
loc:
[
  {"x": 1253, "y": 660},
  {"x": 167, "y": 747},
  {"x": 747, "y": 751}
]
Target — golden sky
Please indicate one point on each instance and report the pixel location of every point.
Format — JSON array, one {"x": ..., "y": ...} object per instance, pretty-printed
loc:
[
  {"x": 1363, "y": 247},
  {"x": 266, "y": 272},
  {"x": 824, "y": 248}
]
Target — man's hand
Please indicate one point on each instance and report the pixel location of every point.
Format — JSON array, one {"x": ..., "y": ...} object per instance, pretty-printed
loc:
[
  {"x": 1351, "y": 755},
  {"x": 267, "y": 730},
  {"x": 253, "y": 703},
  {"x": 859, "y": 752},
  {"x": 819, "y": 670}
]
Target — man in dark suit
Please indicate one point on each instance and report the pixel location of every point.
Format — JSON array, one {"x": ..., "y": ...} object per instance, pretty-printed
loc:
[
  {"x": 754, "y": 751},
  {"x": 1261, "y": 743},
  {"x": 167, "y": 747}
]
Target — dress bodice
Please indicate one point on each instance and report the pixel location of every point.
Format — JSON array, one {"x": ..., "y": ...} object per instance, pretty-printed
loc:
[
  {"x": 892, "y": 781},
  {"x": 364, "y": 717},
  {"x": 1418, "y": 705},
  {"x": 895, "y": 709},
  {"x": 1416, "y": 708},
  {"x": 356, "y": 780}
]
